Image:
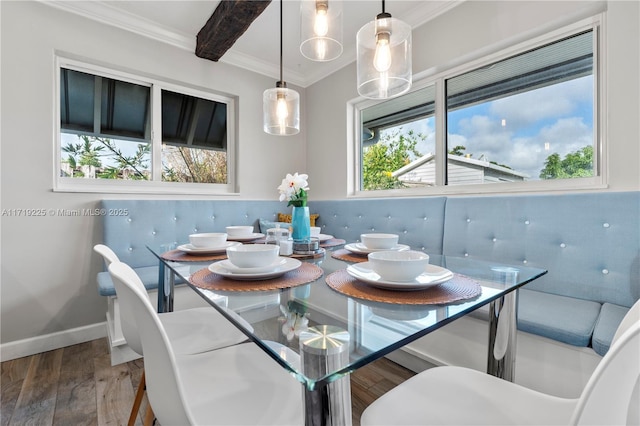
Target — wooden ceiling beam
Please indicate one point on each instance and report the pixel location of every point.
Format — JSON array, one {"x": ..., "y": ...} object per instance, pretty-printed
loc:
[{"x": 227, "y": 23}]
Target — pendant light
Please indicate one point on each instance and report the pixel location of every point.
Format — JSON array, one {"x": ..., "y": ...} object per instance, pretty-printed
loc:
[
  {"x": 321, "y": 29},
  {"x": 281, "y": 106},
  {"x": 384, "y": 57}
]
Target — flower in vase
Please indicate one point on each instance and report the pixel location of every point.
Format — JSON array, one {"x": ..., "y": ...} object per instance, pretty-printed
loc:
[{"x": 294, "y": 189}]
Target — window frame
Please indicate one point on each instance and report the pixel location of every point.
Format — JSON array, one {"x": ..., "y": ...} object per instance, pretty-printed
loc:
[
  {"x": 599, "y": 181},
  {"x": 155, "y": 185}
]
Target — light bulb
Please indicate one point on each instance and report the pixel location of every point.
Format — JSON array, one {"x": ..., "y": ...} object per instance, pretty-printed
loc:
[
  {"x": 382, "y": 56},
  {"x": 282, "y": 112},
  {"x": 321, "y": 23},
  {"x": 321, "y": 49}
]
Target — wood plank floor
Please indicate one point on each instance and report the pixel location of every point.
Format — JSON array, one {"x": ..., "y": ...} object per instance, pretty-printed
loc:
[{"x": 77, "y": 385}]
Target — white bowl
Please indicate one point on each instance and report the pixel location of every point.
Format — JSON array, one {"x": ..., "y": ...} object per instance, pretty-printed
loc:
[
  {"x": 379, "y": 241},
  {"x": 398, "y": 265},
  {"x": 315, "y": 231},
  {"x": 239, "y": 230},
  {"x": 253, "y": 255},
  {"x": 211, "y": 239}
]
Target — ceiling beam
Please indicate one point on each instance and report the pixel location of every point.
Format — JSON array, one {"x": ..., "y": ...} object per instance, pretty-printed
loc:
[{"x": 227, "y": 23}]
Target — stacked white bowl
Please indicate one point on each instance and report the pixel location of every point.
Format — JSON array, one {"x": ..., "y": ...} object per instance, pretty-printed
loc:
[
  {"x": 253, "y": 255},
  {"x": 208, "y": 240},
  {"x": 400, "y": 266}
]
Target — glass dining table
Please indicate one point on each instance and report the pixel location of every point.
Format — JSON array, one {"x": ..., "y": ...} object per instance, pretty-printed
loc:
[{"x": 320, "y": 323}]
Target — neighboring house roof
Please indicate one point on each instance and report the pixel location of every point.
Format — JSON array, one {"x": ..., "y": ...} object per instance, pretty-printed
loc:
[{"x": 497, "y": 173}]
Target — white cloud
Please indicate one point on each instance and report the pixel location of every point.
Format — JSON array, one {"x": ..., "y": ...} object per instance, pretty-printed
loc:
[{"x": 528, "y": 108}]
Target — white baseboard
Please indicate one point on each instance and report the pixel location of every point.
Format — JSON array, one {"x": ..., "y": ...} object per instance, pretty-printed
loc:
[{"x": 49, "y": 342}]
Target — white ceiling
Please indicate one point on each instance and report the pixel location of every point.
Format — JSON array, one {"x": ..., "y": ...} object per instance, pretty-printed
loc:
[{"x": 258, "y": 49}]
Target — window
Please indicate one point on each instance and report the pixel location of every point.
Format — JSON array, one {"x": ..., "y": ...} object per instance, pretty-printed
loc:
[
  {"x": 123, "y": 133},
  {"x": 519, "y": 122}
]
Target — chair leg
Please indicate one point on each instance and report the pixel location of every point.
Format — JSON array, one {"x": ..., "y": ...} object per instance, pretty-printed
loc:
[
  {"x": 149, "y": 417},
  {"x": 138, "y": 400}
]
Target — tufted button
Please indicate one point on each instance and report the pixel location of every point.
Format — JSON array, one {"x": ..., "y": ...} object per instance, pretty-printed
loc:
[
  {"x": 213, "y": 218},
  {"x": 154, "y": 233},
  {"x": 389, "y": 217},
  {"x": 468, "y": 220},
  {"x": 128, "y": 219},
  {"x": 494, "y": 240},
  {"x": 404, "y": 232},
  {"x": 563, "y": 245},
  {"x": 466, "y": 255},
  {"x": 605, "y": 225},
  {"x": 526, "y": 222},
  {"x": 373, "y": 229},
  {"x": 359, "y": 216},
  {"x": 525, "y": 261},
  {"x": 424, "y": 218},
  {"x": 346, "y": 227},
  {"x": 605, "y": 271},
  {"x": 195, "y": 229},
  {"x": 175, "y": 218},
  {"x": 423, "y": 248},
  {"x": 246, "y": 216},
  {"x": 130, "y": 248}
]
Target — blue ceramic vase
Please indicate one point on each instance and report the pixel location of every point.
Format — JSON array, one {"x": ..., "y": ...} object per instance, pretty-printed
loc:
[{"x": 300, "y": 222}]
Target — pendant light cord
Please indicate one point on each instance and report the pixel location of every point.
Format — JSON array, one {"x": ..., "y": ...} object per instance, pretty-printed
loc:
[
  {"x": 383, "y": 11},
  {"x": 281, "y": 40}
]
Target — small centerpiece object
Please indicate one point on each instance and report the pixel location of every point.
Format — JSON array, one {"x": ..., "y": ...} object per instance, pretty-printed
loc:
[{"x": 294, "y": 189}]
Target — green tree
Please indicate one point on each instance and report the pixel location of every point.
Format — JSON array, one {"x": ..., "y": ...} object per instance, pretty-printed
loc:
[
  {"x": 183, "y": 164},
  {"x": 575, "y": 164},
  {"x": 91, "y": 151},
  {"x": 458, "y": 150},
  {"x": 392, "y": 152}
]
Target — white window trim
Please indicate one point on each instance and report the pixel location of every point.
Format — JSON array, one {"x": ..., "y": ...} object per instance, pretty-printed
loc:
[
  {"x": 156, "y": 186},
  {"x": 597, "y": 23}
]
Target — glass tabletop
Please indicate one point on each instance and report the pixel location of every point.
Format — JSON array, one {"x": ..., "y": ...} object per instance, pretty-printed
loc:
[{"x": 375, "y": 328}]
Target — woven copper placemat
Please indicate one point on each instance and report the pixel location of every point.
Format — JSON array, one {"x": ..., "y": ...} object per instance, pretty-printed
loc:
[
  {"x": 333, "y": 242},
  {"x": 458, "y": 288},
  {"x": 181, "y": 256},
  {"x": 349, "y": 256},
  {"x": 306, "y": 273}
]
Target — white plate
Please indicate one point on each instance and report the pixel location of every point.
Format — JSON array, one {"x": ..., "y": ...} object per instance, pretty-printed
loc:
[
  {"x": 253, "y": 236},
  {"x": 188, "y": 248},
  {"x": 289, "y": 265},
  {"x": 360, "y": 248},
  {"x": 432, "y": 275},
  {"x": 325, "y": 237},
  {"x": 226, "y": 264}
]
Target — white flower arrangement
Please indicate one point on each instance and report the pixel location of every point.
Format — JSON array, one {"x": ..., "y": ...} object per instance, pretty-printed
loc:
[{"x": 294, "y": 189}]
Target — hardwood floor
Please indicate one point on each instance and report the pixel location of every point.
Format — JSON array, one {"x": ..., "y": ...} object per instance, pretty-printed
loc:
[{"x": 77, "y": 385}]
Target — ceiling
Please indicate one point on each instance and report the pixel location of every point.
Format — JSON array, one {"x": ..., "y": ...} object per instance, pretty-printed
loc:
[{"x": 258, "y": 49}]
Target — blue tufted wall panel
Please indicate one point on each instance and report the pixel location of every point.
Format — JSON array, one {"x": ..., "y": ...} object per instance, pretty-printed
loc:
[
  {"x": 418, "y": 221},
  {"x": 590, "y": 243},
  {"x": 156, "y": 222}
]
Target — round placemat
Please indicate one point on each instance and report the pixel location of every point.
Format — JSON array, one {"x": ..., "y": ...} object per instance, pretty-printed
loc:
[
  {"x": 349, "y": 256},
  {"x": 458, "y": 288},
  {"x": 306, "y": 273},
  {"x": 333, "y": 242},
  {"x": 181, "y": 256}
]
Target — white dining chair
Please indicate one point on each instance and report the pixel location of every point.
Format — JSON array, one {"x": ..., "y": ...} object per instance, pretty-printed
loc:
[
  {"x": 190, "y": 331},
  {"x": 237, "y": 384},
  {"x": 462, "y": 396}
]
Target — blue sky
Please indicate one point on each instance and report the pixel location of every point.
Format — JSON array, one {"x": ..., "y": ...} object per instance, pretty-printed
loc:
[{"x": 522, "y": 130}]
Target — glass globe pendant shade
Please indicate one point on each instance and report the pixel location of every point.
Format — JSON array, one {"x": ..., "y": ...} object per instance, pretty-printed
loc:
[
  {"x": 281, "y": 110},
  {"x": 320, "y": 29},
  {"x": 384, "y": 58}
]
